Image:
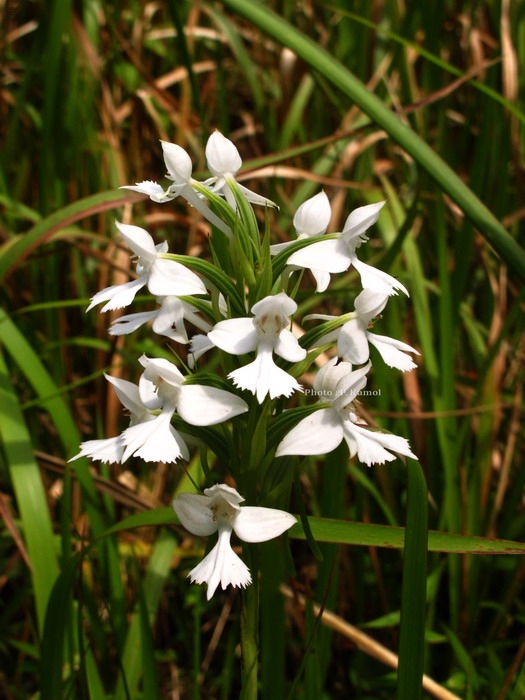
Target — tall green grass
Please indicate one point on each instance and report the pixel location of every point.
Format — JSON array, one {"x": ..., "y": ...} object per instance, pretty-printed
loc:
[{"x": 367, "y": 105}]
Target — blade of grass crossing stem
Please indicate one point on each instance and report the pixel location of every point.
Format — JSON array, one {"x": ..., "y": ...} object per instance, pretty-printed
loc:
[
  {"x": 328, "y": 66},
  {"x": 30, "y": 494},
  {"x": 413, "y": 592}
]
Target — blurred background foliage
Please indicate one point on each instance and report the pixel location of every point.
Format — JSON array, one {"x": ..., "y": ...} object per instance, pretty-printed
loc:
[{"x": 87, "y": 90}]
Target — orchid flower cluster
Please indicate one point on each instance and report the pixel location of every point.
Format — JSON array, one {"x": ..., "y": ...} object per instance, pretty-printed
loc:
[{"x": 239, "y": 304}]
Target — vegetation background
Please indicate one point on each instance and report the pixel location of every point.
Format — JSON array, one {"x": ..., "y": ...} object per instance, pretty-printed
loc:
[{"x": 87, "y": 90}]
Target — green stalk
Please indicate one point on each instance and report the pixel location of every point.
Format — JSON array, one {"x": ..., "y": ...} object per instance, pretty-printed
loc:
[
  {"x": 250, "y": 628},
  {"x": 324, "y": 63},
  {"x": 413, "y": 593}
]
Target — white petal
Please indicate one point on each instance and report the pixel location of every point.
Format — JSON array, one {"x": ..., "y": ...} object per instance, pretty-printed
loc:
[
  {"x": 393, "y": 352},
  {"x": 170, "y": 320},
  {"x": 369, "y": 303},
  {"x": 155, "y": 441},
  {"x": 328, "y": 376},
  {"x": 195, "y": 514},
  {"x": 322, "y": 279},
  {"x": 352, "y": 344},
  {"x": 222, "y": 155},
  {"x": 379, "y": 281},
  {"x": 159, "y": 368},
  {"x": 139, "y": 240},
  {"x": 328, "y": 256},
  {"x": 119, "y": 295},
  {"x": 178, "y": 162},
  {"x": 128, "y": 394},
  {"x": 372, "y": 447},
  {"x": 349, "y": 386},
  {"x": 170, "y": 278},
  {"x": 107, "y": 450},
  {"x": 206, "y": 405},
  {"x": 237, "y": 336},
  {"x": 313, "y": 216},
  {"x": 263, "y": 377},
  {"x": 199, "y": 345},
  {"x": 255, "y": 524},
  {"x": 288, "y": 347},
  {"x": 361, "y": 219},
  {"x": 317, "y": 434},
  {"x": 130, "y": 322},
  {"x": 275, "y": 304},
  {"x": 222, "y": 566},
  {"x": 228, "y": 493}
]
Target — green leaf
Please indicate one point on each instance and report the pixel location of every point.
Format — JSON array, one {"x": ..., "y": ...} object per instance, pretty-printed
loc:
[
  {"x": 352, "y": 533},
  {"x": 30, "y": 494}
]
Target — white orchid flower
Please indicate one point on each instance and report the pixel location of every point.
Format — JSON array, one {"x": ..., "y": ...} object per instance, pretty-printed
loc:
[
  {"x": 179, "y": 167},
  {"x": 157, "y": 440},
  {"x": 354, "y": 337},
  {"x": 168, "y": 320},
  {"x": 112, "y": 449},
  {"x": 267, "y": 333},
  {"x": 219, "y": 511},
  {"x": 163, "y": 277},
  {"x": 324, "y": 430},
  {"x": 224, "y": 161},
  {"x": 152, "y": 403},
  {"x": 337, "y": 255},
  {"x": 311, "y": 219}
]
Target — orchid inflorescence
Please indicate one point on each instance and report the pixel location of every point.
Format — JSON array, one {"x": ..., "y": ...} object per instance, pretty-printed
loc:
[{"x": 242, "y": 304}]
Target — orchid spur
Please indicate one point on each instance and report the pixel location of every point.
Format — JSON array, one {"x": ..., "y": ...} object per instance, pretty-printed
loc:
[{"x": 219, "y": 510}]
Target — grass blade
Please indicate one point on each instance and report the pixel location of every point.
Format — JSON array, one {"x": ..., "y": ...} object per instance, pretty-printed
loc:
[
  {"x": 413, "y": 594},
  {"x": 321, "y": 61}
]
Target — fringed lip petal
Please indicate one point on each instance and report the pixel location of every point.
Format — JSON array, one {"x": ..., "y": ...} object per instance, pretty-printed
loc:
[
  {"x": 155, "y": 441},
  {"x": 374, "y": 447},
  {"x": 394, "y": 352},
  {"x": 118, "y": 295},
  {"x": 221, "y": 566}
]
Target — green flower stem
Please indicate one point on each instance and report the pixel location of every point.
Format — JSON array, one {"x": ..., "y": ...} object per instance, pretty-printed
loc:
[
  {"x": 250, "y": 627},
  {"x": 413, "y": 593}
]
